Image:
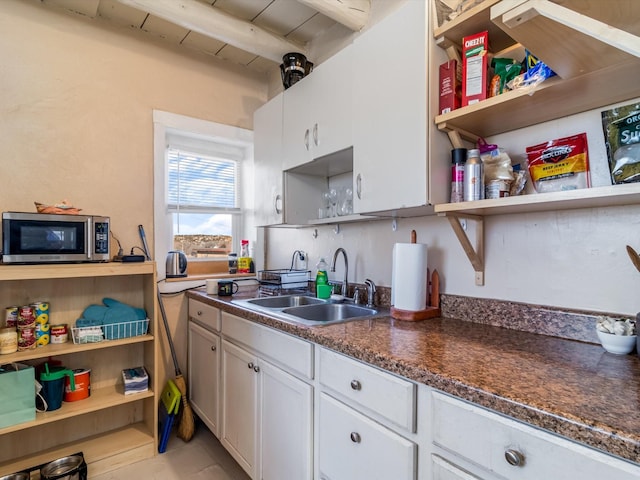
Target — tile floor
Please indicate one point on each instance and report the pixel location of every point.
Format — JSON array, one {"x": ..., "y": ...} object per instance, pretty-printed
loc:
[{"x": 201, "y": 458}]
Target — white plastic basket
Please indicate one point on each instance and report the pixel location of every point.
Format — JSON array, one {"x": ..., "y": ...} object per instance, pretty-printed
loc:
[{"x": 112, "y": 331}]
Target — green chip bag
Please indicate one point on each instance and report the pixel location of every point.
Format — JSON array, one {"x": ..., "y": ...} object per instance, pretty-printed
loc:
[{"x": 621, "y": 128}]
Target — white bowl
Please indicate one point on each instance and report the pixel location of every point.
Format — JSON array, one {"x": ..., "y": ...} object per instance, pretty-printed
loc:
[{"x": 618, "y": 344}]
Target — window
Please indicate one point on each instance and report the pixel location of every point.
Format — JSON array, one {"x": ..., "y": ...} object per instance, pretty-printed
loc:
[{"x": 200, "y": 170}]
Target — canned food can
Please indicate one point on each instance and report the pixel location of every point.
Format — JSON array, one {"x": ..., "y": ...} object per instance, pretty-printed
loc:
[
  {"x": 41, "y": 311},
  {"x": 42, "y": 334},
  {"x": 26, "y": 338},
  {"x": 11, "y": 317},
  {"x": 497, "y": 189},
  {"x": 58, "y": 334},
  {"x": 8, "y": 340},
  {"x": 26, "y": 316}
]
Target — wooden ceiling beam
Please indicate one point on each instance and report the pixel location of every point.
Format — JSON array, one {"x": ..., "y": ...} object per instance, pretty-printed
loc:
[
  {"x": 353, "y": 14},
  {"x": 213, "y": 22}
]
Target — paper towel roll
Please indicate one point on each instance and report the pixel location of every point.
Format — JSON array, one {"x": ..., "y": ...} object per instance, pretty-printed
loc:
[{"x": 409, "y": 277}]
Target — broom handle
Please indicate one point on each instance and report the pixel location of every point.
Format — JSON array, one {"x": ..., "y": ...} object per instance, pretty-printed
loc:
[{"x": 166, "y": 329}]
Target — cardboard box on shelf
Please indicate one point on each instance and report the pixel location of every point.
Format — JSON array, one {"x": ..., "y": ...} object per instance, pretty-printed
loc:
[
  {"x": 474, "y": 68},
  {"x": 450, "y": 88}
]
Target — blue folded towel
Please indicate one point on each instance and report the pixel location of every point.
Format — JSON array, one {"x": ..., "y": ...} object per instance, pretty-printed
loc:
[{"x": 113, "y": 312}]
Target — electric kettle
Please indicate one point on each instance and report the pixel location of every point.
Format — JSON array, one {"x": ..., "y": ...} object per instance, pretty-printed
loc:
[{"x": 176, "y": 264}]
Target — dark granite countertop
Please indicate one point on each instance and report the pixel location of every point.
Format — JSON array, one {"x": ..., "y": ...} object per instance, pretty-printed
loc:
[{"x": 568, "y": 387}]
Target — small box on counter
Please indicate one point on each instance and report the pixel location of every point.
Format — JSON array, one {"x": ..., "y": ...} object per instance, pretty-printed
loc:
[
  {"x": 17, "y": 394},
  {"x": 136, "y": 380},
  {"x": 474, "y": 68},
  {"x": 450, "y": 88}
]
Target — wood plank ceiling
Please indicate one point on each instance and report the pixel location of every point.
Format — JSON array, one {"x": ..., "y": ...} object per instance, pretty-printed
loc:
[{"x": 254, "y": 33}]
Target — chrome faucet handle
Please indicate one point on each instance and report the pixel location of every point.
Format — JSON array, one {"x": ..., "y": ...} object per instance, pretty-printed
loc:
[
  {"x": 356, "y": 295},
  {"x": 371, "y": 292}
]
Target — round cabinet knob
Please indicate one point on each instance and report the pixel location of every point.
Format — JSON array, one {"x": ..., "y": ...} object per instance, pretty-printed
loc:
[
  {"x": 213, "y": 348},
  {"x": 256, "y": 368},
  {"x": 355, "y": 437},
  {"x": 199, "y": 313},
  {"x": 250, "y": 365},
  {"x": 514, "y": 457},
  {"x": 356, "y": 385}
]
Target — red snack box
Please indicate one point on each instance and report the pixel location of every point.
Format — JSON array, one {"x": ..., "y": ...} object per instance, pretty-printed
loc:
[
  {"x": 450, "y": 89},
  {"x": 474, "y": 68}
]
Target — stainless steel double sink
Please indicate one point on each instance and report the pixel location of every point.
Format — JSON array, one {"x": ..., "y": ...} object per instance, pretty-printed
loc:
[{"x": 308, "y": 310}]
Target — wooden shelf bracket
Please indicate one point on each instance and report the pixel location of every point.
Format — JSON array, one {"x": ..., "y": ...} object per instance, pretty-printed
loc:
[{"x": 475, "y": 253}]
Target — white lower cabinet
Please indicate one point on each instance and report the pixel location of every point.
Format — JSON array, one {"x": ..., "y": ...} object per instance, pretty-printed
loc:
[
  {"x": 286, "y": 405},
  {"x": 366, "y": 421},
  {"x": 491, "y": 447},
  {"x": 267, "y": 412},
  {"x": 354, "y": 447},
  {"x": 204, "y": 362},
  {"x": 203, "y": 358}
]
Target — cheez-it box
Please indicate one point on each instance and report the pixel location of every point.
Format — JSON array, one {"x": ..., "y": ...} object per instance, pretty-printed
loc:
[
  {"x": 449, "y": 86},
  {"x": 474, "y": 68}
]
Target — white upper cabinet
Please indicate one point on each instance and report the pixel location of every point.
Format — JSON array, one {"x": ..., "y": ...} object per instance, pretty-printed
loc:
[
  {"x": 269, "y": 197},
  {"x": 390, "y": 106},
  {"x": 317, "y": 112}
]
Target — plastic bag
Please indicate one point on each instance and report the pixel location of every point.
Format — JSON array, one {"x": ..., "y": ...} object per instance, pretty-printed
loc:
[
  {"x": 559, "y": 165},
  {"x": 621, "y": 128}
]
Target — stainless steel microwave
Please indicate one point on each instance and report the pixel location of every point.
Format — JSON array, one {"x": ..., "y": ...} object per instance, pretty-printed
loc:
[{"x": 54, "y": 238}]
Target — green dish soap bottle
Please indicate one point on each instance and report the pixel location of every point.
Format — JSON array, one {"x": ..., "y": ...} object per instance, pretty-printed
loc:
[{"x": 323, "y": 289}]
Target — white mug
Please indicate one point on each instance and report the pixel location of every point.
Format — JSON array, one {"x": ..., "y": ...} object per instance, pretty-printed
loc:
[{"x": 212, "y": 287}]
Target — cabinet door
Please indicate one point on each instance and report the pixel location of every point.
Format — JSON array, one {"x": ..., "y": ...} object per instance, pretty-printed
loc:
[
  {"x": 204, "y": 354},
  {"x": 239, "y": 431},
  {"x": 390, "y": 112},
  {"x": 296, "y": 121},
  {"x": 269, "y": 199},
  {"x": 354, "y": 447},
  {"x": 286, "y": 425},
  {"x": 332, "y": 116},
  {"x": 317, "y": 112}
]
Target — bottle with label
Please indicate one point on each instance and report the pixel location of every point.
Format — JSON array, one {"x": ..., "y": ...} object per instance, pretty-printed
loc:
[
  {"x": 458, "y": 159},
  {"x": 473, "y": 177},
  {"x": 244, "y": 262},
  {"x": 233, "y": 263},
  {"x": 323, "y": 289}
]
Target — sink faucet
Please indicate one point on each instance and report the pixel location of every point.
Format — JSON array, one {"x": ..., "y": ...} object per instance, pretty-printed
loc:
[
  {"x": 371, "y": 291},
  {"x": 344, "y": 289}
]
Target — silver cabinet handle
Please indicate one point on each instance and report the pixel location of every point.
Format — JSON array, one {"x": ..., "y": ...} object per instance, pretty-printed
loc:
[
  {"x": 359, "y": 186},
  {"x": 315, "y": 134},
  {"x": 250, "y": 365},
  {"x": 514, "y": 457},
  {"x": 277, "y": 204},
  {"x": 306, "y": 139},
  {"x": 256, "y": 368},
  {"x": 356, "y": 385},
  {"x": 355, "y": 437},
  {"x": 213, "y": 348}
]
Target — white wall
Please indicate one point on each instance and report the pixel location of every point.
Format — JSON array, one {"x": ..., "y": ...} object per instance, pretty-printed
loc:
[{"x": 573, "y": 259}]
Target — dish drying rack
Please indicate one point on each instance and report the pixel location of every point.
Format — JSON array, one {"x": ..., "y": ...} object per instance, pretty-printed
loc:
[{"x": 283, "y": 281}]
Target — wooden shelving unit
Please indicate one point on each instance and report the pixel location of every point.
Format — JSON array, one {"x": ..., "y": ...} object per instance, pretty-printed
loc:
[
  {"x": 110, "y": 428},
  {"x": 594, "y": 48}
]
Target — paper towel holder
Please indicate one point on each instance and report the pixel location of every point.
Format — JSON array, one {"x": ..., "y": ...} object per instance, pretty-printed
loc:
[{"x": 433, "y": 298}]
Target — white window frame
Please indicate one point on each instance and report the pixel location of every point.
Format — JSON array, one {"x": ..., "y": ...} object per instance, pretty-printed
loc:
[{"x": 165, "y": 126}]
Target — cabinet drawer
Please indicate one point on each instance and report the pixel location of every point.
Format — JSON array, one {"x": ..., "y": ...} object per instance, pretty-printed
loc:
[
  {"x": 354, "y": 447},
  {"x": 291, "y": 353},
  {"x": 443, "y": 470},
  {"x": 384, "y": 394},
  {"x": 484, "y": 438},
  {"x": 204, "y": 314}
]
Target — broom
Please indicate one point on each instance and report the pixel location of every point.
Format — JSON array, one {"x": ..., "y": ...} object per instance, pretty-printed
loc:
[{"x": 186, "y": 427}]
